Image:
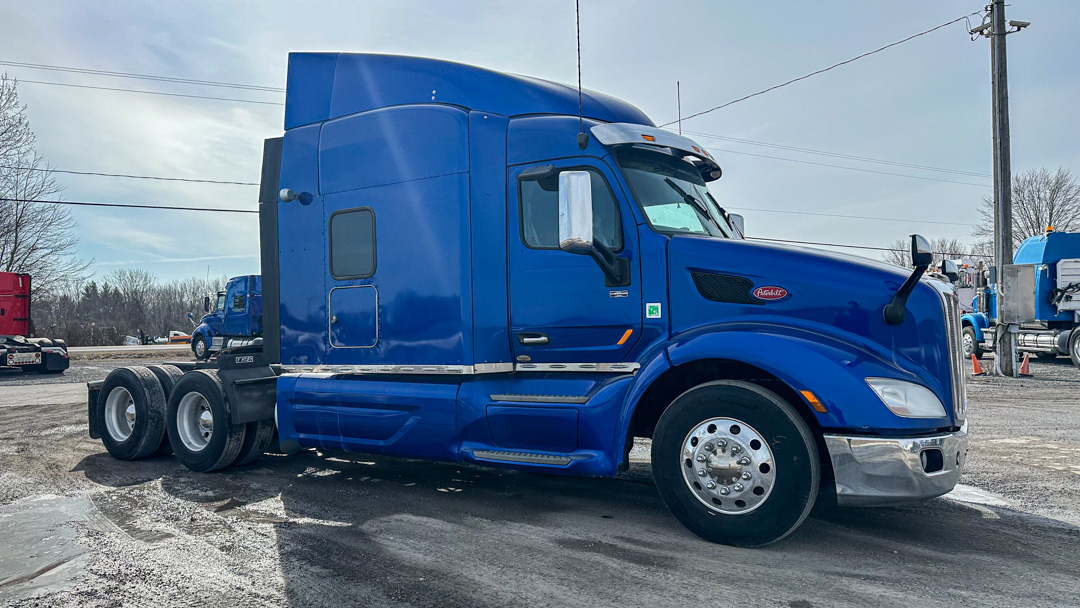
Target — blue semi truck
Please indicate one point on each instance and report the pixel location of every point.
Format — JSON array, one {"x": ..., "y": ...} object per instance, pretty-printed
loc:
[
  {"x": 1047, "y": 290},
  {"x": 458, "y": 266},
  {"x": 233, "y": 318}
]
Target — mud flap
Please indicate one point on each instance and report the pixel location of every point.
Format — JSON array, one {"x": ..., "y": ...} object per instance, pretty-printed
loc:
[
  {"x": 93, "y": 389},
  {"x": 250, "y": 386}
]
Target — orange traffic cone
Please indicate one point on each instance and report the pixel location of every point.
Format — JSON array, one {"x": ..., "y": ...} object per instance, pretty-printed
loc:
[
  {"x": 976, "y": 369},
  {"x": 1024, "y": 365}
]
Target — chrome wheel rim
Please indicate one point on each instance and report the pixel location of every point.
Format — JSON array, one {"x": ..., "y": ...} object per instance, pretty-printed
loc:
[
  {"x": 200, "y": 348},
  {"x": 728, "y": 466},
  {"x": 194, "y": 421},
  {"x": 969, "y": 345},
  {"x": 119, "y": 414}
]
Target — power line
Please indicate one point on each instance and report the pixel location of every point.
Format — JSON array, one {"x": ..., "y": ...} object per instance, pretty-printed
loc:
[
  {"x": 950, "y": 253},
  {"x": 821, "y": 71},
  {"x": 807, "y": 162},
  {"x": 123, "y": 205},
  {"x": 95, "y": 72},
  {"x": 853, "y": 217},
  {"x": 866, "y": 159},
  {"x": 124, "y": 175},
  {"x": 86, "y": 86}
]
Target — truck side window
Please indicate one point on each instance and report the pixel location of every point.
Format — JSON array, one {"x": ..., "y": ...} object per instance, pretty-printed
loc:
[
  {"x": 539, "y": 209},
  {"x": 238, "y": 303},
  {"x": 220, "y": 304},
  {"x": 352, "y": 243}
]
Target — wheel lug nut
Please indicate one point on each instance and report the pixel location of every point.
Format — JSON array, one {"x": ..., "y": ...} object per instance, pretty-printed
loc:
[
  {"x": 701, "y": 472},
  {"x": 744, "y": 461},
  {"x": 701, "y": 458},
  {"x": 746, "y": 475},
  {"x": 721, "y": 444},
  {"x": 738, "y": 487},
  {"x": 710, "y": 485},
  {"x": 708, "y": 447},
  {"x": 725, "y": 491},
  {"x": 735, "y": 449}
]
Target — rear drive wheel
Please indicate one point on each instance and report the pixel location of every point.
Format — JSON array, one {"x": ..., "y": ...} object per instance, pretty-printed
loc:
[
  {"x": 1046, "y": 356},
  {"x": 1074, "y": 346},
  {"x": 735, "y": 463},
  {"x": 971, "y": 343},
  {"x": 199, "y": 348},
  {"x": 257, "y": 439},
  {"x": 200, "y": 429},
  {"x": 131, "y": 412},
  {"x": 166, "y": 375}
]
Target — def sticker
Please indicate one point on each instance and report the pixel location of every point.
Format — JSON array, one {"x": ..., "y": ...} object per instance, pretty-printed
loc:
[{"x": 652, "y": 310}]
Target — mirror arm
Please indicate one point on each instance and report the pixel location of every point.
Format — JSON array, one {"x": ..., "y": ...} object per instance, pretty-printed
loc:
[
  {"x": 894, "y": 311},
  {"x": 616, "y": 269}
]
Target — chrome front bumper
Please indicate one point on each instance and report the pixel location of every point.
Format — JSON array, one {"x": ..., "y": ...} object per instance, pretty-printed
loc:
[{"x": 879, "y": 471}]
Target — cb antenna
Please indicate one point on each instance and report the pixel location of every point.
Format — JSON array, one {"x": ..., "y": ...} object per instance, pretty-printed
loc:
[
  {"x": 582, "y": 137},
  {"x": 678, "y": 101}
]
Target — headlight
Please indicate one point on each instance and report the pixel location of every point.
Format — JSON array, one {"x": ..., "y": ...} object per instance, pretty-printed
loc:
[{"x": 907, "y": 399}]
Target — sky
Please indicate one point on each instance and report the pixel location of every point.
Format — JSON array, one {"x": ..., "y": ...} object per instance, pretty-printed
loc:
[{"x": 926, "y": 102}]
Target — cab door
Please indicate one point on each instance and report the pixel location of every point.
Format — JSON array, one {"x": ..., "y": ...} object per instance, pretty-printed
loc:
[{"x": 561, "y": 310}]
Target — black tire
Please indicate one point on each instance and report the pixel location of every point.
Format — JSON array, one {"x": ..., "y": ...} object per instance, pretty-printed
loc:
[
  {"x": 224, "y": 441},
  {"x": 166, "y": 375},
  {"x": 796, "y": 468},
  {"x": 148, "y": 401},
  {"x": 198, "y": 344},
  {"x": 257, "y": 439},
  {"x": 41, "y": 369},
  {"x": 971, "y": 343},
  {"x": 1074, "y": 346},
  {"x": 1046, "y": 356}
]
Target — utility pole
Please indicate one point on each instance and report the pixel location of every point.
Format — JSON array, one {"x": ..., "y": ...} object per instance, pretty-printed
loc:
[{"x": 996, "y": 30}]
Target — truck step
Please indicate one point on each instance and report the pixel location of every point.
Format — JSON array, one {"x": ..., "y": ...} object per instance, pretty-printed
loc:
[
  {"x": 522, "y": 398},
  {"x": 523, "y": 457}
]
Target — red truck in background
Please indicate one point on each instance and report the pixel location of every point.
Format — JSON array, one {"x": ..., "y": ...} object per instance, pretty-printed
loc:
[{"x": 18, "y": 346}]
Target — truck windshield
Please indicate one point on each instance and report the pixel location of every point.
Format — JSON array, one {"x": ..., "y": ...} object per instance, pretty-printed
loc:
[{"x": 671, "y": 193}]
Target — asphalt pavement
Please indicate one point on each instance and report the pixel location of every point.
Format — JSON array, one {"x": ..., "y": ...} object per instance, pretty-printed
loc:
[{"x": 78, "y": 528}]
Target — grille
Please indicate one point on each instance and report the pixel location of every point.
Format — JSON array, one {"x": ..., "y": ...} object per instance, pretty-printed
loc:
[
  {"x": 724, "y": 288},
  {"x": 951, "y": 305}
]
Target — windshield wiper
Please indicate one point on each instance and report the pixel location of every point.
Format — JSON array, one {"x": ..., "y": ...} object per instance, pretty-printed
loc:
[{"x": 693, "y": 202}]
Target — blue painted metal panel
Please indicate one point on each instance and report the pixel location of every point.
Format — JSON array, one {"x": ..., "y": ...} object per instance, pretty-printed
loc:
[
  {"x": 362, "y": 82},
  {"x": 487, "y": 217},
  {"x": 534, "y": 427},
  {"x": 392, "y": 145},
  {"x": 354, "y": 317},
  {"x": 533, "y": 138}
]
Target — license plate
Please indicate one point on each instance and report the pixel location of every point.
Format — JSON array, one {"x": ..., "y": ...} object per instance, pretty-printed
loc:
[{"x": 23, "y": 358}]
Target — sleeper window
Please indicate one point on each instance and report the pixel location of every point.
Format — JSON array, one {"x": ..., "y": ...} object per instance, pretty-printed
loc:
[
  {"x": 540, "y": 212},
  {"x": 352, "y": 244}
]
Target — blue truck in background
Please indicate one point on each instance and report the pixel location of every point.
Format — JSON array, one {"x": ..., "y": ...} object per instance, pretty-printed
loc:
[
  {"x": 233, "y": 318},
  {"x": 458, "y": 265},
  {"x": 1048, "y": 288}
]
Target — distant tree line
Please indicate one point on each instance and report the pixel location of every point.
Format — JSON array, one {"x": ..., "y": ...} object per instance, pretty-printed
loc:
[{"x": 123, "y": 302}]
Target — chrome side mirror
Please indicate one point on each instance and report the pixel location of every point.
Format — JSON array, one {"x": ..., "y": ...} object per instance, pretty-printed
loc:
[
  {"x": 921, "y": 255},
  {"x": 950, "y": 270},
  {"x": 575, "y": 212},
  {"x": 738, "y": 224}
]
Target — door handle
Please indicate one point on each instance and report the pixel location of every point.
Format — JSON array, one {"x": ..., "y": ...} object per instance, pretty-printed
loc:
[{"x": 528, "y": 338}]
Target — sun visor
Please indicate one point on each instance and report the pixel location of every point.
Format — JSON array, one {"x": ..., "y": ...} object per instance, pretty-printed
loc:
[{"x": 618, "y": 133}]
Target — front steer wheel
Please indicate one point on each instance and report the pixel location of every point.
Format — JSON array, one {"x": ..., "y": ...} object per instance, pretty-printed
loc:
[
  {"x": 971, "y": 343},
  {"x": 201, "y": 431},
  {"x": 735, "y": 463}
]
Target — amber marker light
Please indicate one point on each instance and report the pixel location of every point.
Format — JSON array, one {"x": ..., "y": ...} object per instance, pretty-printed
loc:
[
  {"x": 814, "y": 402},
  {"x": 625, "y": 337},
  {"x": 648, "y": 138}
]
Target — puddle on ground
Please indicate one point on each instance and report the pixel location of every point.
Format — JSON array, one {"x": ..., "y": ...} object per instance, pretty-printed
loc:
[
  {"x": 124, "y": 509},
  {"x": 41, "y": 552}
]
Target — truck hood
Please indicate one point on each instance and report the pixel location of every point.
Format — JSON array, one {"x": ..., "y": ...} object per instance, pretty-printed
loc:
[{"x": 725, "y": 282}]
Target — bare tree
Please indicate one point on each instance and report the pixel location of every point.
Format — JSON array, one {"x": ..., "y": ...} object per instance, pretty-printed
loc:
[
  {"x": 34, "y": 238},
  {"x": 1040, "y": 199},
  {"x": 899, "y": 253}
]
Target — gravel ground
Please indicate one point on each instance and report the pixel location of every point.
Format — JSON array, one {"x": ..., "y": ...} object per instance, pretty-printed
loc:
[{"x": 78, "y": 528}]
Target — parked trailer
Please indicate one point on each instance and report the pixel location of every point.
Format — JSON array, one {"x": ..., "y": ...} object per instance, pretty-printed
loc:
[
  {"x": 1047, "y": 300},
  {"x": 19, "y": 348},
  {"x": 457, "y": 267}
]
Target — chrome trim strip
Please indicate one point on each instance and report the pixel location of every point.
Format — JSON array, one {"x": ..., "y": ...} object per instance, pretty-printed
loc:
[
  {"x": 950, "y": 305},
  {"x": 616, "y": 133},
  {"x": 523, "y": 457},
  {"x": 462, "y": 370},
  {"x": 517, "y": 398}
]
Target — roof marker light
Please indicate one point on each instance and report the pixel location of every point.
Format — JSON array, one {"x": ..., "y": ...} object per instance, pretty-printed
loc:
[{"x": 648, "y": 137}]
